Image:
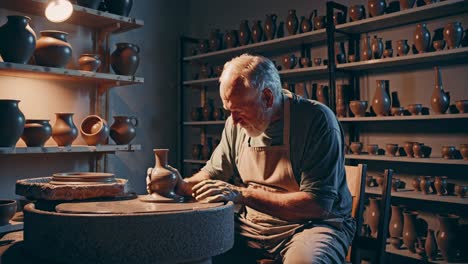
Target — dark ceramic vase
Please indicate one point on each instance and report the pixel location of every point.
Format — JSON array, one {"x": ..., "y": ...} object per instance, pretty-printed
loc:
[
  {"x": 376, "y": 7},
  {"x": 244, "y": 33},
  {"x": 231, "y": 38},
  {"x": 257, "y": 32},
  {"x": 89, "y": 62},
  {"x": 11, "y": 122},
  {"x": 93, "y": 4},
  {"x": 215, "y": 42},
  {"x": 125, "y": 59},
  {"x": 306, "y": 24},
  {"x": 366, "y": 50},
  {"x": 377, "y": 47},
  {"x": 453, "y": 33},
  {"x": 292, "y": 23},
  {"x": 422, "y": 38},
  {"x": 94, "y": 130},
  {"x": 64, "y": 131},
  {"x": 18, "y": 40},
  {"x": 402, "y": 47},
  {"x": 270, "y": 26},
  {"x": 119, "y": 7},
  {"x": 409, "y": 230},
  {"x": 123, "y": 130},
  {"x": 439, "y": 99},
  {"x": 381, "y": 100},
  {"x": 447, "y": 235},
  {"x": 52, "y": 49},
  {"x": 36, "y": 132}
]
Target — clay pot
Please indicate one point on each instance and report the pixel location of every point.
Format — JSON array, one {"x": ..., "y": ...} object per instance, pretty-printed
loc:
[
  {"x": 89, "y": 62},
  {"x": 36, "y": 132},
  {"x": 416, "y": 183},
  {"x": 93, "y": 4},
  {"x": 376, "y": 7},
  {"x": 425, "y": 184},
  {"x": 464, "y": 151},
  {"x": 388, "y": 53},
  {"x": 439, "y": 99},
  {"x": 377, "y": 47},
  {"x": 352, "y": 58},
  {"x": 7, "y": 211},
  {"x": 406, "y": 4},
  {"x": 379, "y": 181},
  {"x": 438, "y": 44},
  {"x": 422, "y": 38},
  {"x": 94, "y": 130},
  {"x": 440, "y": 185},
  {"x": 320, "y": 22},
  {"x": 462, "y": 106},
  {"x": 125, "y": 59},
  {"x": 244, "y": 33},
  {"x": 358, "y": 108},
  {"x": 460, "y": 190},
  {"x": 119, "y": 7},
  {"x": 231, "y": 38},
  {"x": 448, "y": 152},
  {"x": 270, "y": 26},
  {"x": 356, "y": 12},
  {"x": 18, "y": 40},
  {"x": 317, "y": 61},
  {"x": 214, "y": 42},
  {"x": 366, "y": 50},
  {"x": 292, "y": 24},
  {"x": 123, "y": 130},
  {"x": 373, "y": 149},
  {"x": 257, "y": 32},
  {"x": 453, "y": 33},
  {"x": 208, "y": 109},
  {"x": 338, "y": 18},
  {"x": 415, "y": 109},
  {"x": 203, "y": 46},
  {"x": 447, "y": 235},
  {"x": 52, "y": 49},
  {"x": 408, "y": 147},
  {"x": 356, "y": 147},
  {"x": 402, "y": 47},
  {"x": 218, "y": 114},
  {"x": 430, "y": 246},
  {"x": 306, "y": 25},
  {"x": 196, "y": 151},
  {"x": 196, "y": 114},
  {"x": 397, "y": 111},
  {"x": 304, "y": 62},
  {"x": 391, "y": 149},
  {"x": 163, "y": 178},
  {"x": 396, "y": 224},
  {"x": 322, "y": 94},
  {"x": 381, "y": 100},
  {"x": 373, "y": 215},
  {"x": 421, "y": 151},
  {"x": 11, "y": 122},
  {"x": 289, "y": 61},
  {"x": 64, "y": 131},
  {"x": 409, "y": 230}
]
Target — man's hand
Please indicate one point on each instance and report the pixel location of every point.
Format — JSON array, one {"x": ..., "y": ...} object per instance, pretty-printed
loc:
[{"x": 216, "y": 191}]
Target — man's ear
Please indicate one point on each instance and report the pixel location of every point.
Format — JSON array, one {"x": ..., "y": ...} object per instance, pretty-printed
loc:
[{"x": 267, "y": 97}]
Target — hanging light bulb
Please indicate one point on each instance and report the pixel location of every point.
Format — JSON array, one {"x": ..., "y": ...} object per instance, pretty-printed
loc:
[{"x": 58, "y": 10}]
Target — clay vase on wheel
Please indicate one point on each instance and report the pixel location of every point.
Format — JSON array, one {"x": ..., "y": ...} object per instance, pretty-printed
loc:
[
  {"x": 52, "y": 49},
  {"x": 125, "y": 59},
  {"x": 64, "y": 131},
  {"x": 11, "y": 122},
  {"x": 119, "y": 7},
  {"x": 18, "y": 40},
  {"x": 163, "y": 179},
  {"x": 123, "y": 130}
]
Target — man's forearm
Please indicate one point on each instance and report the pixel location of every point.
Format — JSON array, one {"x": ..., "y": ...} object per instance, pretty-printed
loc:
[
  {"x": 294, "y": 206},
  {"x": 184, "y": 187}
]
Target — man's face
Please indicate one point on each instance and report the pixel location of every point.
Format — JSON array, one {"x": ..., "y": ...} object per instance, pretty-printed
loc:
[{"x": 247, "y": 107}]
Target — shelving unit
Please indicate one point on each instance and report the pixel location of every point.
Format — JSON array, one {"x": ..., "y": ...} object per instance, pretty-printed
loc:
[
  {"x": 403, "y": 118},
  {"x": 412, "y": 194},
  {"x": 435, "y": 160},
  {"x": 70, "y": 149}
]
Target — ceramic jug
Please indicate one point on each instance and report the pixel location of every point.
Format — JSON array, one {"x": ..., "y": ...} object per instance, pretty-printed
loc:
[
  {"x": 402, "y": 47},
  {"x": 36, "y": 132},
  {"x": 292, "y": 23},
  {"x": 214, "y": 41},
  {"x": 381, "y": 100},
  {"x": 123, "y": 130},
  {"x": 270, "y": 26},
  {"x": 64, "y": 131},
  {"x": 11, "y": 122},
  {"x": 244, "y": 33},
  {"x": 18, "y": 40},
  {"x": 453, "y": 33},
  {"x": 422, "y": 38},
  {"x": 439, "y": 98},
  {"x": 125, "y": 59}
]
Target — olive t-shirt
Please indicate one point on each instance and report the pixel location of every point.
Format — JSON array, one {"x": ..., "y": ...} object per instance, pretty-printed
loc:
[{"x": 316, "y": 148}]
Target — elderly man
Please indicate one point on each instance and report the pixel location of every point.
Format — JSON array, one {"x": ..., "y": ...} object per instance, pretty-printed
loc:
[{"x": 281, "y": 158}]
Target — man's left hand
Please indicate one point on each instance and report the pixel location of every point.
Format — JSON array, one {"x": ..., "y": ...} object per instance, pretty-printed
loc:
[{"x": 216, "y": 191}]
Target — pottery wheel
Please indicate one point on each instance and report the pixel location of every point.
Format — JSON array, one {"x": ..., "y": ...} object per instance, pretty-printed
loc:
[{"x": 130, "y": 207}]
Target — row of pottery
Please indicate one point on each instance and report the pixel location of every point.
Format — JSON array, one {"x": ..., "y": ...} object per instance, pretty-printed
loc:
[
  {"x": 52, "y": 49},
  {"x": 203, "y": 152},
  {"x": 118, "y": 7},
  {"x": 208, "y": 112},
  {"x": 35, "y": 132}
]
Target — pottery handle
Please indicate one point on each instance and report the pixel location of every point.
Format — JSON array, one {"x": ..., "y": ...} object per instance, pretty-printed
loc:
[{"x": 134, "y": 120}]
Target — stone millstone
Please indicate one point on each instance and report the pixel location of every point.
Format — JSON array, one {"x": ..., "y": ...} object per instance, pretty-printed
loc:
[{"x": 42, "y": 189}]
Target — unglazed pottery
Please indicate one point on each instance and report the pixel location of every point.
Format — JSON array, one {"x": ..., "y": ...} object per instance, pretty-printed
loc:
[
  {"x": 425, "y": 184},
  {"x": 356, "y": 147},
  {"x": 396, "y": 225},
  {"x": 381, "y": 100},
  {"x": 421, "y": 151},
  {"x": 366, "y": 50},
  {"x": 11, "y": 122},
  {"x": 289, "y": 61},
  {"x": 373, "y": 149},
  {"x": 292, "y": 24},
  {"x": 409, "y": 230},
  {"x": 123, "y": 130},
  {"x": 341, "y": 100},
  {"x": 460, "y": 190},
  {"x": 36, "y": 132},
  {"x": 125, "y": 59},
  {"x": 376, "y": 7},
  {"x": 464, "y": 151},
  {"x": 416, "y": 183},
  {"x": 439, "y": 98},
  {"x": 352, "y": 58},
  {"x": 373, "y": 215},
  {"x": 408, "y": 147},
  {"x": 358, "y": 108},
  {"x": 422, "y": 38},
  {"x": 306, "y": 24},
  {"x": 438, "y": 44},
  {"x": 52, "y": 49},
  {"x": 94, "y": 130},
  {"x": 89, "y": 62},
  {"x": 462, "y": 106},
  {"x": 391, "y": 149},
  {"x": 270, "y": 26},
  {"x": 18, "y": 40},
  {"x": 447, "y": 236},
  {"x": 453, "y": 33},
  {"x": 64, "y": 131},
  {"x": 430, "y": 246},
  {"x": 119, "y": 7},
  {"x": 356, "y": 12},
  {"x": 163, "y": 178},
  {"x": 402, "y": 47},
  {"x": 322, "y": 94},
  {"x": 320, "y": 22},
  {"x": 317, "y": 61},
  {"x": 304, "y": 62},
  {"x": 440, "y": 185},
  {"x": 7, "y": 211},
  {"x": 448, "y": 152}
]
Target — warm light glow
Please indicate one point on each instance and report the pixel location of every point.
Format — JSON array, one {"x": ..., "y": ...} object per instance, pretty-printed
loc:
[{"x": 58, "y": 10}]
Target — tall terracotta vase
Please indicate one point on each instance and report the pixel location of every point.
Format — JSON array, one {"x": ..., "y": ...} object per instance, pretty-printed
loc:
[
  {"x": 422, "y": 38},
  {"x": 430, "y": 245},
  {"x": 396, "y": 226},
  {"x": 446, "y": 236},
  {"x": 270, "y": 26},
  {"x": 341, "y": 100},
  {"x": 409, "y": 230},
  {"x": 439, "y": 99},
  {"x": 53, "y": 49},
  {"x": 322, "y": 94},
  {"x": 11, "y": 122},
  {"x": 123, "y": 130},
  {"x": 64, "y": 131},
  {"x": 453, "y": 33},
  {"x": 125, "y": 59},
  {"x": 366, "y": 51},
  {"x": 119, "y": 7},
  {"x": 244, "y": 33},
  {"x": 292, "y": 23},
  {"x": 381, "y": 100},
  {"x": 373, "y": 215},
  {"x": 18, "y": 40},
  {"x": 163, "y": 178}
]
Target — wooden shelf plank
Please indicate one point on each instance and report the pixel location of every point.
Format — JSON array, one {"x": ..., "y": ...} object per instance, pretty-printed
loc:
[
  {"x": 404, "y": 17},
  {"x": 41, "y": 72},
  {"x": 402, "y": 118},
  {"x": 194, "y": 161},
  {"x": 69, "y": 149},
  {"x": 406, "y": 253},
  {"x": 11, "y": 227},
  {"x": 265, "y": 47},
  {"x": 81, "y": 16},
  {"x": 435, "y": 160},
  {"x": 412, "y": 194},
  {"x": 202, "y": 81},
  {"x": 435, "y": 58},
  {"x": 204, "y": 123}
]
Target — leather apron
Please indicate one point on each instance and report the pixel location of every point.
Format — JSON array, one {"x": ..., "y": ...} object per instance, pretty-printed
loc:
[{"x": 268, "y": 168}]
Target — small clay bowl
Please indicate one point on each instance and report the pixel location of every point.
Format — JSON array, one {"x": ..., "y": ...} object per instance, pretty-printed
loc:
[
  {"x": 358, "y": 108},
  {"x": 352, "y": 58},
  {"x": 415, "y": 109},
  {"x": 438, "y": 44},
  {"x": 397, "y": 111},
  {"x": 94, "y": 130},
  {"x": 356, "y": 147},
  {"x": 317, "y": 61},
  {"x": 7, "y": 211},
  {"x": 373, "y": 149},
  {"x": 462, "y": 106},
  {"x": 391, "y": 149}
]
